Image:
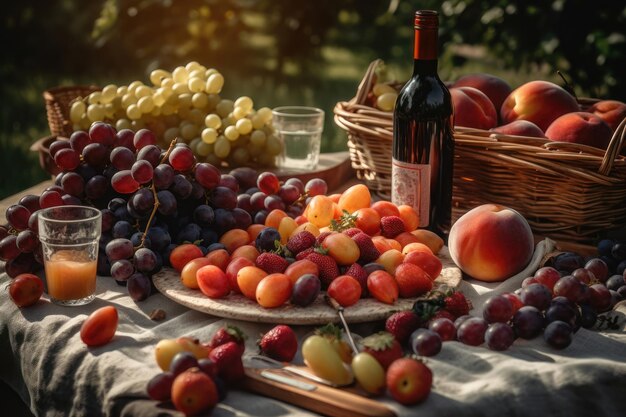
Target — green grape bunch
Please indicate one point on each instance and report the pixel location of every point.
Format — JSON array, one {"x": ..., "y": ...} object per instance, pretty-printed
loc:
[{"x": 185, "y": 104}]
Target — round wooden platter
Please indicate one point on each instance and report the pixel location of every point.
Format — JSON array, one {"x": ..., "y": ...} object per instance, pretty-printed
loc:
[{"x": 238, "y": 307}]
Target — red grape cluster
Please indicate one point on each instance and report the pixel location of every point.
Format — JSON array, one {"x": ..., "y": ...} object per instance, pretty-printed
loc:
[
  {"x": 151, "y": 201},
  {"x": 554, "y": 301}
]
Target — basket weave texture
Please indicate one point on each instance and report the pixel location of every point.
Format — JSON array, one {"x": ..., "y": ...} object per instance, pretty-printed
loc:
[
  {"x": 58, "y": 101},
  {"x": 569, "y": 192}
]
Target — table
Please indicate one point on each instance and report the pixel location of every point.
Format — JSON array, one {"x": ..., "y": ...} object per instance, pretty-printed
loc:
[{"x": 54, "y": 373}]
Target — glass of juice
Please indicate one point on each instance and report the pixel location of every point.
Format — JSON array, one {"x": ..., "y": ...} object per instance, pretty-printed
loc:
[
  {"x": 69, "y": 238},
  {"x": 299, "y": 130}
]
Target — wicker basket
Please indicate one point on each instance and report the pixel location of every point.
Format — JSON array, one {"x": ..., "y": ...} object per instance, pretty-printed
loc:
[
  {"x": 569, "y": 192},
  {"x": 58, "y": 101}
]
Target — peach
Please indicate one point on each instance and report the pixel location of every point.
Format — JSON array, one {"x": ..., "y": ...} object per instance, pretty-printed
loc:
[
  {"x": 417, "y": 247},
  {"x": 580, "y": 127},
  {"x": 540, "y": 102},
  {"x": 520, "y": 128},
  {"x": 385, "y": 208},
  {"x": 472, "y": 108},
  {"x": 493, "y": 87},
  {"x": 427, "y": 261},
  {"x": 381, "y": 244},
  {"x": 491, "y": 242},
  {"x": 611, "y": 111}
]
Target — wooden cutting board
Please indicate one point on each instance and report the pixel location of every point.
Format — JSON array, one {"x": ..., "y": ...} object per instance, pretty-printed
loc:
[
  {"x": 238, "y": 307},
  {"x": 332, "y": 402}
]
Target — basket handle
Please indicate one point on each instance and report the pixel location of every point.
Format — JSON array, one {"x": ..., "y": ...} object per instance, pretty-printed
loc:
[
  {"x": 366, "y": 83},
  {"x": 613, "y": 149}
]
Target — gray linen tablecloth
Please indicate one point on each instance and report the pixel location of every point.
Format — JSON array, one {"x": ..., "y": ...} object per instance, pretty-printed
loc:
[{"x": 44, "y": 360}]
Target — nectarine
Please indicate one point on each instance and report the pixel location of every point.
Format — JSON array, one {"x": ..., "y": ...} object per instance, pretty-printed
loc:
[
  {"x": 520, "y": 128},
  {"x": 580, "y": 127},
  {"x": 472, "y": 108},
  {"x": 493, "y": 87},
  {"x": 491, "y": 242},
  {"x": 611, "y": 111},
  {"x": 540, "y": 102}
]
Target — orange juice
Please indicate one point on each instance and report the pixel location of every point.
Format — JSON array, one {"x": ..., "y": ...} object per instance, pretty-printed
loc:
[{"x": 71, "y": 275}]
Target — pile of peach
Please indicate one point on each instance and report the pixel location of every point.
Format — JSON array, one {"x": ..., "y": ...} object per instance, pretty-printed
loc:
[
  {"x": 343, "y": 243},
  {"x": 537, "y": 109}
]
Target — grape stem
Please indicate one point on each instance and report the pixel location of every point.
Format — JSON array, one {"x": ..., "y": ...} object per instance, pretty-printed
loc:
[{"x": 157, "y": 203}]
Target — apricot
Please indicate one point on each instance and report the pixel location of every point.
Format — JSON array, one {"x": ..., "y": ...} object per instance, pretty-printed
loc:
[
  {"x": 233, "y": 269},
  {"x": 580, "y": 127},
  {"x": 234, "y": 238},
  {"x": 472, "y": 108},
  {"x": 491, "y": 242},
  {"x": 301, "y": 267},
  {"x": 430, "y": 239},
  {"x": 285, "y": 228},
  {"x": 248, "y": 279},
  {"x": 188, "y": 273},
  {"x": 405, "y": 238},
  {"x": 390, "y": 260},
  {"x": 356, "y": 197},
  {"x": 385, "y": 208},
  {"x": 274, "y": 217},
  {"x": 409, "y": 217},
  {"x": 250, "y": 252},
  {"x": 342, "y": 248},
  {"x": 540, "y": 102},
  {"x": 274, "y": 290},
  {"x": 416, "y": 247},
  {"x": 368, "y": 220},
  {"x": 219, "y": 258}
]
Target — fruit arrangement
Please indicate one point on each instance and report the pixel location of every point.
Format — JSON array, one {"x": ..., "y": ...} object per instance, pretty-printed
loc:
[
  {"x": 537, "y": 109},
  {"x": 343, "y": 244},
  {"x": 186, "y": 104}
]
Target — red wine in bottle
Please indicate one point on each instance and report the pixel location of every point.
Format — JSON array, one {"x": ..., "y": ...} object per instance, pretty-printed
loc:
[{"x": 423, "y": 142}]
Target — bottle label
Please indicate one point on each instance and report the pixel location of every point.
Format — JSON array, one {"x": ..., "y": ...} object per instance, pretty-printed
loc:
[{"x": 410, "y": 185}]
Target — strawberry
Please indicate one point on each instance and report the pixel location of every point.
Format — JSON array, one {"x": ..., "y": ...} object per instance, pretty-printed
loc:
[
  {"x": 358, "y": 272},
  {"x": 391, "y": 226},
  {"x": 443, "y": 313},
  {"x": 368, "y": 251},
  {"x": 227, "y": 334},
  {"x": 327, "y": 266},
  {"x": 384, "y": 347},
  {"x": 279, "y": 343},
  {"x": 401, "y": 324},
  {"x": 271, "y": 262},
  {"x": 352, "y": 231},
  {"x": 457, "y": 304},
  {"x": 228, "y": 361},
  {"x": 304, "y": 254},
  {"x": 300, "y": 241},
  {"x": 320, "y": 238}
]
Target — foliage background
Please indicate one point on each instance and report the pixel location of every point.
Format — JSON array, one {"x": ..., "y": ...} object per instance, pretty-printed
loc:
[{"x": 288, "y": 51}]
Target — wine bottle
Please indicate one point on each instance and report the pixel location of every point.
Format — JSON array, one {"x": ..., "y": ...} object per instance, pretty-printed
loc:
[{"x": 423, "y": 142}]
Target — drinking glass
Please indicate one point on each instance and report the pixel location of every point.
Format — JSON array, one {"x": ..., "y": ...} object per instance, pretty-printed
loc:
[
  {"x": 299, "y": 129},
  {"x": 69, "y": 238}
]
